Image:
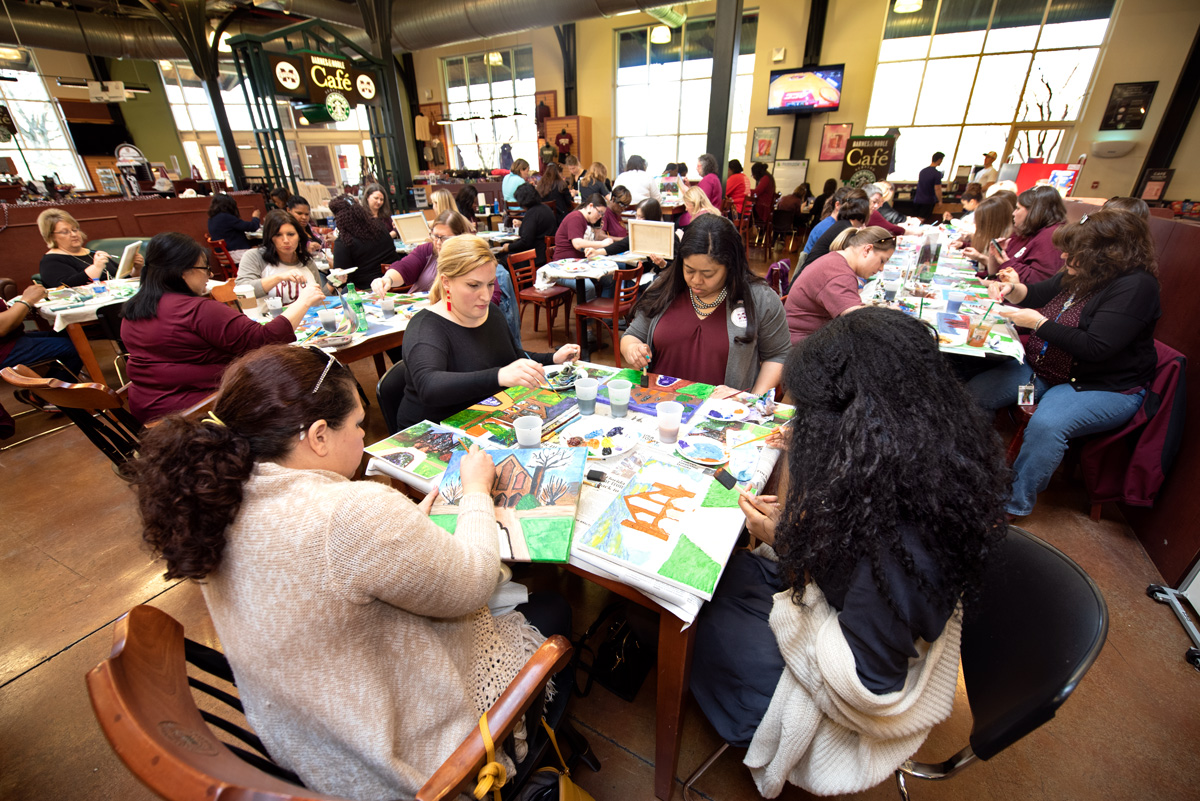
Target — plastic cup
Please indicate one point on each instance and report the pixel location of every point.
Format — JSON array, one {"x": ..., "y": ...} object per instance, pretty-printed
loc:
[
  {"x": 529, "y": 430},
  {"x": 328, "y": 318},
  {"x": 977, "y": 333},
  {"x": 275, "y": 306},
  {"x": 891, "y": 273},
  {"x": 954, "y": 301},
  {"x": 388, "y": 307},
  {"x": 585, "y": 393},
  {"x": 618, "y": 396},
  {"x": 670, "y": 415},
  {"x": 891, "y": 288}
]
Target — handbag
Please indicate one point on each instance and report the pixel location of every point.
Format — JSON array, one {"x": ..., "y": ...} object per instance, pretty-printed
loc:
[
  {"x": 621, "y": 661},
  {"x": 546, "y": 784}
]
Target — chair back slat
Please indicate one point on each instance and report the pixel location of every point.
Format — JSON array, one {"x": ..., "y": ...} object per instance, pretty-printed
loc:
[
  {"x": 523, "y": 267},
  {"x": 225, "y": 266},
  {"x": 629, "y": 283}
]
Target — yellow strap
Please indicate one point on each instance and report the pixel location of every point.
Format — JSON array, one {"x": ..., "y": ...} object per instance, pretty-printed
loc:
[
  {"x": 554, "y": 742},
  {"x": 492, "y": 775}
]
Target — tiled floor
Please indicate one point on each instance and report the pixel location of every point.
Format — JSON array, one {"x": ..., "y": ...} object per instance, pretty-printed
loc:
[{"x": 72, "y": 562}]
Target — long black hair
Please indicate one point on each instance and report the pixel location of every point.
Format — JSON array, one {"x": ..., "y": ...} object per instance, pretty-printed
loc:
[
  {"x": 168, "y": 256},
  {"x": 884, "y": 435},
  {"x": 708, "y": 235},
  {"x": 271, "y": 224}
]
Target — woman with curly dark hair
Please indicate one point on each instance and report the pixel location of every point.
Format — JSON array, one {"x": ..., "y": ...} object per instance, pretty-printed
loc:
[
  {"x": 845, "y": 624},
  {"x": 708, "y": 318},
  {"x": 284, "y": 263},
  {"x": 1091, "y": 353},
  {"x": 319, "y": 586},
  {"x": 361, "y": 244}
]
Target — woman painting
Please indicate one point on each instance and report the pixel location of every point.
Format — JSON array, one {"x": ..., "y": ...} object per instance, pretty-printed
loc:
[
  {"x": 362, "y": 245},
  {"x": 537, "y": 224},
  {"x": 707, "y": 318},
  {"x": 1091, "y": 353},
  {"x": 554, "y": 192},
  {"x": 318, "y": 585},
  {"x": 181, "y": 341},
  {"x": 226, "y": 224},
  {"x": 418, "y": 270},
  {"x": 68, "y": 262},
  {"x": 284, "y": 263},
  {"x": 613, "y": 223},
  {"x": 594, "y": 181},
  {"x": 829, "y": 287},
  {"x": 379, "y": 208},
  {"x": 460, "y": 350},
  {"x": 832, "y": 649}
]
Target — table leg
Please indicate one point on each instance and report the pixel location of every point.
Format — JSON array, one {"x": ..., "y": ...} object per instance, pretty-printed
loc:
[
  {"x": 674, "y": 671},
  {"x": 380, "y": 364},
  {"x": 84, "y": 349},
  {"x": 580, "y": 299}
]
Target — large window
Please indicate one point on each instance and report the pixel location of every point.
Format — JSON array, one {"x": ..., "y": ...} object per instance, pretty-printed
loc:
[
  {"x": 957, "y": 75},
  {"x": 492, "y": 96},
  {"x": 41, "y": 146},
  {"x": 663, "y": 90}
]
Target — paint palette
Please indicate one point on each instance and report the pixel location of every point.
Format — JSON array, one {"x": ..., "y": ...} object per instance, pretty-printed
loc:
[
  {"x": 701, "y": 450},
  {"x": 575, "y": 267},
  {"x": 566, "y": 377},
  {"x": 727, "y": 410},
  {"x": 600, "y": 438}
]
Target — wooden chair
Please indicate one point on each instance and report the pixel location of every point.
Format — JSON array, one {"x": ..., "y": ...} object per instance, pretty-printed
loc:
[
  {"x": 96, "y": 409},
  {"x": 744, "y": 219},
  {"x": 609, "y": 311},
  {"x": 225, "y": 294},
  {"x": 225, "y": 266},
  {"x": 522, "y": 267},
  {"x": 140, "y": 695},
  {"x": 549, "y": 248}
]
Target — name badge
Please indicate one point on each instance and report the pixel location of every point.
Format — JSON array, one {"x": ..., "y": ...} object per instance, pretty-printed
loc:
[
  {"x": 739, "y": 317},
  {"x": 1019, "y": 253}
]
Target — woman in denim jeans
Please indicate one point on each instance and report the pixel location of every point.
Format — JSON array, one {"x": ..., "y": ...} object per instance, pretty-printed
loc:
[{"x": 1091, "y": 353}]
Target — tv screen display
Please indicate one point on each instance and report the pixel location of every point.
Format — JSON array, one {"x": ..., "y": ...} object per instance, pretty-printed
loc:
[{"x": 805, "y": 91}]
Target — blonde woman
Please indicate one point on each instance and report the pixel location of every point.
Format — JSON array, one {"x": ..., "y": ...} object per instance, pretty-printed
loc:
[
  {"x": 695, "y": 203},
  {"x": 68, "y": 261},
  {"x": 460, "y": 350},
  {"x": 442, "y": 202},
  {"x": 594, "y": 181},
  {"x": 828, "y": 287}
]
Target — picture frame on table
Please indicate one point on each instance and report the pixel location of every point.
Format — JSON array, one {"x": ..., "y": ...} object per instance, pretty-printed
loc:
[
  {"x": 834, "y": 138},
  {"x": 764, "y": 145}
]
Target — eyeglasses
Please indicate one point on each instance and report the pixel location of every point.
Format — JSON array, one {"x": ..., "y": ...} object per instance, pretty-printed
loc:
[
  {"x": 439, "y": 239},
  {"x": 207, "y": 270},
  {"x": 67, "y": 232}
]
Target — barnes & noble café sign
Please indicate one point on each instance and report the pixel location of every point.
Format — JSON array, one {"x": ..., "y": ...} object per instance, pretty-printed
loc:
[{"x": 329, "y": 80}]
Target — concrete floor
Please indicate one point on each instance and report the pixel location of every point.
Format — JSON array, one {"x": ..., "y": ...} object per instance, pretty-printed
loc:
[{"x": 73, "y": 562}]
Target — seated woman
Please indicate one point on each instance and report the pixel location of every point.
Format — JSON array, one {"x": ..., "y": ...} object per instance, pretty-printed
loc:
[
  {"x": 460, "y": 350},
  {"x": 613, "y": 224},
  {"x": 299, "y": 208},
  {"x": 418, "y": 270},
  {"x": 519, "y": 174},
  {"x": 1091, "y": 353},
  {"x": 993, "y": 221},
  {"x": 537, "y": 224},
  {"x": 225, "y": 223},
  {"x": 1133, "y": 205},
  {"x": 361, "y": 244},
  {"x": 852, "y": 213},
  {"x": 695, "y": 203},
  {"x": 379, "y": 208},
  {"x": 319, "y": 586},
  {"x": 707, "y": 318},
  {"x": 648, "y": 209},
  {"x": 764, "y": 190},
  {"x": 442, "y": 202},
  {"x": 875, "y": 199},
  {"x": 278, "y": 198},
  {"x": 594, "y": 181},
  {"x": 1030, "y": 251},
  {"x": 555, "y": 192},
  {"x": 68, "y": 262},
  {"x": 840, "y": 635},
  {"x": 710, "y": 180},
  {"x": 737, "y": 187},
  {"x": 827, "y": 215},
  {"x": 179, "y": 340},
  {"x": 829, "y": 287},
  {"x": 466, "y": 200},
  {"x": 283, "y": 263}
]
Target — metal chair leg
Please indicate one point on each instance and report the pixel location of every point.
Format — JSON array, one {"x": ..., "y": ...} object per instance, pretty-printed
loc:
[
  {"x": 687, "y": 785},
  {"x": 900, "y": 785}
]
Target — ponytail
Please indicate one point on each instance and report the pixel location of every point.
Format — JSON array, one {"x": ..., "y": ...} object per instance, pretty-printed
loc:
[
  {"x": 871, "y": 235},
  {"x": 190, "y": 474}
]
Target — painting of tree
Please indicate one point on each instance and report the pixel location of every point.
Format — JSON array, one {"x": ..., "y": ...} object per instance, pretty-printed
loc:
[{"x": 547, "y": 459}]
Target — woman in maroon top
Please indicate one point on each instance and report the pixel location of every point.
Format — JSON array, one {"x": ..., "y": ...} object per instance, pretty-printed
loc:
[
  {"x": 764, "y": 203},
  {"x": 613, "y": 223},
  {"x": 418, "y": 269},
  {"x": 1029, "y": 251},
  {"x": 180, "y": 341}
]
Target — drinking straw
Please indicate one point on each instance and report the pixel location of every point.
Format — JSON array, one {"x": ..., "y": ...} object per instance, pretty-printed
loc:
[
  {"x": 989, "y": 310},
  {"x": 921, "y": 310}
]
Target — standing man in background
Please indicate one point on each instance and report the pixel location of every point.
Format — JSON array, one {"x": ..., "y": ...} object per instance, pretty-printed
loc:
[{"x": 929, "y": 188}]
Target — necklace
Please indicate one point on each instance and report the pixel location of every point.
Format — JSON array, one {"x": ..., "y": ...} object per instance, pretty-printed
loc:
[
  {"x": 705, "y": 309},
  {"x": 86, "y": 258}
]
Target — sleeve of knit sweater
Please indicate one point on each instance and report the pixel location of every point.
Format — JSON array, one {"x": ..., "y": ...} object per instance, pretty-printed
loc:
[
  {"x": 250, "y": 271},
  {"x": 380, "y": 546}
]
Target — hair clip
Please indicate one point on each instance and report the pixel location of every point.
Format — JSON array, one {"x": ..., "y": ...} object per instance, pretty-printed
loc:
[
  {"x": 212, "y": 418},
  {"x": 1083, "y": 219}
]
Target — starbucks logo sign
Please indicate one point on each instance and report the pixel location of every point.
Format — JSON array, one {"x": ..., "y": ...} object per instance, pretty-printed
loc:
[
  {"x": 861, "y": 178},
  {"x": 338, "y": 106}
]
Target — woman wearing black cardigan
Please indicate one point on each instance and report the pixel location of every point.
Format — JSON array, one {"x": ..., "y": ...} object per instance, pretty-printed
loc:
[
  {"x": 361, "y": 243},
  {"x": 537, "y": 224}
]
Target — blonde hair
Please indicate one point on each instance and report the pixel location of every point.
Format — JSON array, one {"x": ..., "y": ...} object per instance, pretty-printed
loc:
[
  {"x": 696, "y": 202},
  {"x": 460, "y": 255},
  {"x": 518, "y": 166},
  {"x": 871, "y": 235},
  {"x": 52, "y": 217},
  {"x": 595, "y": 174},
  {"x": 443, "y": 201}
]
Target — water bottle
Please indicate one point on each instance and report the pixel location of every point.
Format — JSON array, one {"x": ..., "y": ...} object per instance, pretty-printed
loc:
[
  {"x": 97, "y": 287},
  {"x": 496, "y": 206},
  {"x": 356, "y": 305}
]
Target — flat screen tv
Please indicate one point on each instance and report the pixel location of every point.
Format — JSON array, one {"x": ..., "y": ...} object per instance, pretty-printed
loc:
[{"x": 808, "y": 90}]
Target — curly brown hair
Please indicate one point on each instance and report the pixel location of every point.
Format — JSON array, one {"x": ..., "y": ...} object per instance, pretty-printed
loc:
[
  {"x": 190, "y": 474},
  {"x": 1103, "y": 246}
]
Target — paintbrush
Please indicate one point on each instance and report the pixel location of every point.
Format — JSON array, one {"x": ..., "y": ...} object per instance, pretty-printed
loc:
[{"x": 756, "y": 439}]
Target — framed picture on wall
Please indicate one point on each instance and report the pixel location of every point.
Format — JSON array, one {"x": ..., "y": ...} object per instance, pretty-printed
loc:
[
  {"x": 764, "y": 145},
  {"x": 833, "y": 141}
]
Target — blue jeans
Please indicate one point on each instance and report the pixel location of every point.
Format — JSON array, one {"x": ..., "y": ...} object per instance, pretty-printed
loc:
[
  {"x": 1061, "y": 414},
  {"x": 508, "y": 304},
  {"x": 40, "y": 346}
]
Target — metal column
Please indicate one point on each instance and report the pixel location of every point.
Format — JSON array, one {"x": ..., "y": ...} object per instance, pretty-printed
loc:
[{"x": 728, "y": 37}]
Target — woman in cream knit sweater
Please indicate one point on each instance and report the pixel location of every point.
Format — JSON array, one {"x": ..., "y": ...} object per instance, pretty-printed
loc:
[
  {"x": 832, "y": 654},
  {"x": 357, "y": 629}
]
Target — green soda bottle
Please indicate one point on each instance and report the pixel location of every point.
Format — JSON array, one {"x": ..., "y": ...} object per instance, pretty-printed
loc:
[{"x": 356, "y": 304}]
